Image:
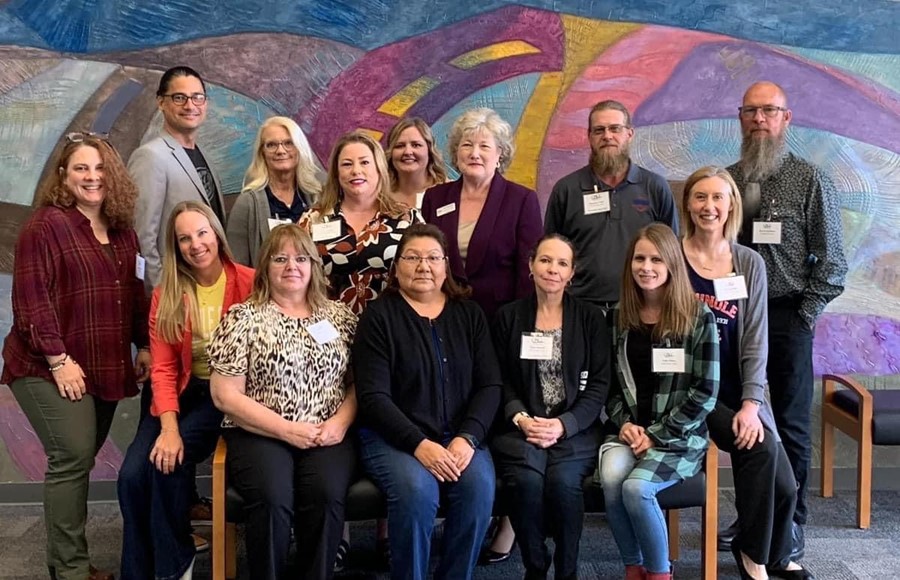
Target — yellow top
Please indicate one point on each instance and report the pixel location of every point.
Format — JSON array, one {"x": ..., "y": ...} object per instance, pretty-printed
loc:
[{"x": 209, "y": 306}]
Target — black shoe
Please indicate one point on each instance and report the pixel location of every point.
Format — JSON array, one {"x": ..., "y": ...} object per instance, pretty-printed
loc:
[
  {"x": 488, "y": 557},
  {"x": 798, "y": 543},
  {"x": 736, "y": 551},
  {"x": 779, "y": 572},
  {"x": 727, "y": 535}
]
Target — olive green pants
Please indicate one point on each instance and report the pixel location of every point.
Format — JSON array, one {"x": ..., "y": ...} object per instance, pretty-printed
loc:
[{"x": 72, "y": 434}]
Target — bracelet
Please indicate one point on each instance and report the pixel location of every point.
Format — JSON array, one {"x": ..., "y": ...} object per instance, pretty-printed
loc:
[
  {"x": 518, "y": 417},
  {"x": 59, "y": 364}
]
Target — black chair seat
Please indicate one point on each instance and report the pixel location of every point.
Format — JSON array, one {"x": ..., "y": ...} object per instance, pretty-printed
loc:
[
  {"x": 365, "y": 501},
  {"x": 885, "y": 413}
]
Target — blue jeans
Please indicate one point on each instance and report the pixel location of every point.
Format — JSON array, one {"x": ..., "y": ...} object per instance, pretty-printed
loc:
[
  {"x": 156, "y": 530},
  {"x": 413, "y": 495},
  {"x": 637, "y": 522}
]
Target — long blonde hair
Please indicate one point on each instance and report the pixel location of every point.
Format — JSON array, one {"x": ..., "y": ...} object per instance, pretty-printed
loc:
[
  {"x": 332, "y": 194},
  {"x": 679, "y": 304},
  {"x": 178, "y": 284},
  {"x": 257, "y": 176},
  {"x": 316, "y": 292}
]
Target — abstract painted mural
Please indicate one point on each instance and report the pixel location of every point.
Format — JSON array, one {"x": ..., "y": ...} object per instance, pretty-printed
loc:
[{"x": 337, "y": 66}]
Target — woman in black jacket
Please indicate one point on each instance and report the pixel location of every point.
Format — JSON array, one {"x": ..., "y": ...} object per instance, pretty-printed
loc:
[{"x": 554, "y": 357}]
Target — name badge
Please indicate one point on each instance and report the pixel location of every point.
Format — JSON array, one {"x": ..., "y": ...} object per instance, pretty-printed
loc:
[
  {"x": 140, "y": 264},
  {"x": 420, "y": 197},
  {"x": 536, "y": 347},
  {"x": 323, "y": 332},
  {"x": 766, "y": 232},
  {"x": 730, "y": 288},
  {"x": 326, "y": 231},
  {"x": 445, "y": 209},
  {"x": 273, "y": 223},
  {"x": 668, "y": 360},
  {"x": 597, "y": 202}
]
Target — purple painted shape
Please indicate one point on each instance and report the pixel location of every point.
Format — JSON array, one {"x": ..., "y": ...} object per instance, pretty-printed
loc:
[
  {"x": 858, "y": 344},
  {"x": 27, "y": 453},
  {"x": 355, "y": 95},
  {"x": 556, "y": 164},
  {"x": 704, "y": 87}
]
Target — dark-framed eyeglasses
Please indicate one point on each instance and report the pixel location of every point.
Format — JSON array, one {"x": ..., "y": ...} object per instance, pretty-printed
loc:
[
  {"x": 282, "y": 260},
  {"x": 80, "y": 136},
  {"x": 272, "y": 146},
  {"x": 599, "y": 130},
  {"x": 768, "y": 110},
  {"x": 416, "y": 260},
  {"x": 181, "y": 98}
]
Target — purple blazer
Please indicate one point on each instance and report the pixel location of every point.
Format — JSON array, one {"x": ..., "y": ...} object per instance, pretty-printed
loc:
[{"x": 507, "y": 230}]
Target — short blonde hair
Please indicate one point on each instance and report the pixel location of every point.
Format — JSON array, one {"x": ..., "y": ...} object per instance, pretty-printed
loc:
[
  {"x": 257, "y": 175},
  {"x": 316, "y": 292},
  {"x": 735, "y": 218},
  {"x": 475, "y": 121}
]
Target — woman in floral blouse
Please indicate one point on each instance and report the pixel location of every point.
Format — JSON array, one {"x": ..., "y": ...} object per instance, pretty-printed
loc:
[{"x": 356, "y": 224}]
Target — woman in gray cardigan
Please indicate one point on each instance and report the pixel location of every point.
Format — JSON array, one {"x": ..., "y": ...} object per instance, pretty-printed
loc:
[
  {"x": 280, "y": 184},
  {"x": 731, "y": 280}
]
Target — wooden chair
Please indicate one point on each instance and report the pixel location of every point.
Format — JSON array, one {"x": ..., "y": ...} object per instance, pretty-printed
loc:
[
  {"x": 364, "y": 502},
  {"x": 869, "y": 417}
]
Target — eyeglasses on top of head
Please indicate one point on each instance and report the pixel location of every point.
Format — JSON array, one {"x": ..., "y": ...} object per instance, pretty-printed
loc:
[
  {"x": 281, "y": 260},
  {"x": 181, "y": 98},
  {"x": 416, "y": 260},
  {"x": 80, "y": 136},
  {"x": 272, "y": 146},
  {"x": 768, "y": 110}
]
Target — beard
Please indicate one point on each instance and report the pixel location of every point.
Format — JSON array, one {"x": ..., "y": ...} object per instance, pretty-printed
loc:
[
  {"x": 760, "y": 158},
  {"x": 610, "y": 161}
]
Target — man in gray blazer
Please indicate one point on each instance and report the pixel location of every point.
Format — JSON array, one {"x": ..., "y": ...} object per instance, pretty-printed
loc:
[{"x": 170, "y": 168}]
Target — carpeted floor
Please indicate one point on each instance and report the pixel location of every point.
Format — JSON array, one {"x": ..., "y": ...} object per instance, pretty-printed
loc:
[{"x": 835, "y": 549}]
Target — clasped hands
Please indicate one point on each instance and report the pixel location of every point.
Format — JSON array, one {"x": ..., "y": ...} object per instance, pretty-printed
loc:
[
  {"x": 445, "y": 463},
  {"x": 307, "y": 435},
  {"x": 540, "y": 431},
  {"x": 635, "y": 437}
]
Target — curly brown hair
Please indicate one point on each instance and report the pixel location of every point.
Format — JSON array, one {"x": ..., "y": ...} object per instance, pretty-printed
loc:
[{"x": 121, "y": 192}]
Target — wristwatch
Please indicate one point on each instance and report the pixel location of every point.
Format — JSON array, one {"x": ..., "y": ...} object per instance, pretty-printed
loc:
[
  {"x": 518, "y": 417},
  {"x": 470, "y": 439}
]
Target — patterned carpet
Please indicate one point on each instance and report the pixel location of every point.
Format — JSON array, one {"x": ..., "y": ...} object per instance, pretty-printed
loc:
[{"x": 835, "y": 549}]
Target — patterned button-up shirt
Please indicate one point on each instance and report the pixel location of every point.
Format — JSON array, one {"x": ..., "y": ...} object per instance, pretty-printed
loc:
[
  {"x": 70, "y": 295},
  {"x": 809, "y": 261},
  {"x": 357, "y": 263}
]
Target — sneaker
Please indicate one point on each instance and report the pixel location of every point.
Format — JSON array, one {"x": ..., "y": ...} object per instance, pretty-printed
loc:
[
  {"x": 201, "y": 512},
  {"x": 201, "y": 544},
  {"x": 340, "y": 561}
]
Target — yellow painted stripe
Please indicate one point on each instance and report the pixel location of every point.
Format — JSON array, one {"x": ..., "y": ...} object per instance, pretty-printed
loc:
[
  {"x": 529, "y": 138},
  {"x": 408, "y": 96},
  {"x": 493, "y": 52},
  {"x": 585, "y": 40},
  {"x": 377, "y": 135}
]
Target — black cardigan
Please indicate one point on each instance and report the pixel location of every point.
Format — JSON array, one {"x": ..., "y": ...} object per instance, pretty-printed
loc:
[
  {"x": 399, "y": 385},
  {"x": 586, "y": 363}
]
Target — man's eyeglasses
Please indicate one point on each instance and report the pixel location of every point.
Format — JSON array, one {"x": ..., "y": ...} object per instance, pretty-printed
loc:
[
  {"x": 599, "y": 130},
  {"x": 416, "y": 260},
  {"x": 768, "y": 110},
  {"x": 283, "y": 260},
  {"x": 272, "y": 146},
  {"x": 80, "y": 136},
  {"x": 181, "y": 98}
]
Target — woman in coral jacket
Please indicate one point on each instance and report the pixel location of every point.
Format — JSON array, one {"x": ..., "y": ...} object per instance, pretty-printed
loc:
[{"x": 200, "y": 282}]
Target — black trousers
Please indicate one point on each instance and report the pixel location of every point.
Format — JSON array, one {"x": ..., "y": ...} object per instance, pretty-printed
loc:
[
  {"x": 790, "y": 375},
  {"x": 764, "y": 490},
  {"x": 287, "y": 487}
]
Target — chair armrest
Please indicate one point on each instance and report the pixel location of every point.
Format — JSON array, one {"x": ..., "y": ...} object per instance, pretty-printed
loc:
[{"x": 866, "y": 406}]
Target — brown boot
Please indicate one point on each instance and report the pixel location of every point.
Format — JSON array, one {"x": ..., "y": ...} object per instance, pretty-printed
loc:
[
  {"x": 95, "y": 574},
  {"x": 635, "y": 572}
]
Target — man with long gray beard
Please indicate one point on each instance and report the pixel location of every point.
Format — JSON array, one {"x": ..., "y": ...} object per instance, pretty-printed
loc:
[
  {"x": 791, "y": 218},
  {"x": 601, "y": 206}
]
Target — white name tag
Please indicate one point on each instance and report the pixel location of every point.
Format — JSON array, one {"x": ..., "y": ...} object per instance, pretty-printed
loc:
[
  {"x": 323, "y": 332},
  {"x": 445, "y": 209},
  {"x": 327, "y": 231},
  {"x": 766, "y": 232},
  {"x": 730, "y": 288},
  {"x": 273, "y": 223},
  {"x": 420, "y": 197},
  {"x": 140, "y": 264},
  {"x": 597, "y": 202},
  {"x": 536, "y": 347},
  {"x": 668, "y": 360}
]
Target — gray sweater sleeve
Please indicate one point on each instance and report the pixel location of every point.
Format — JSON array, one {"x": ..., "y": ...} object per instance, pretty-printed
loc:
[{"x": 754, "y": 313}]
